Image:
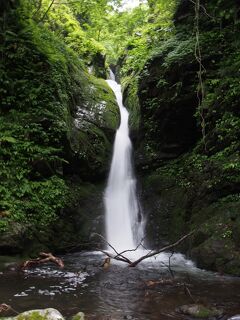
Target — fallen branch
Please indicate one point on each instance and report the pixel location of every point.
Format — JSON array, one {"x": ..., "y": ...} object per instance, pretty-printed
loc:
[
  {"x": 155, "y": 252},
  {"x": 152, "y": 283},
  {"x": 6, "y": 307},
  {"x": 169, "y": 265},
  {"x": 120, "y": 257},
  {"x": 43, "y": 258},
  {"x": 188, "y": 292}
]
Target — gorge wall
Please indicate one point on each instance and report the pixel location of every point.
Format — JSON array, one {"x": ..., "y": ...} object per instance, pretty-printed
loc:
[
  {"x": 190, "y": 181},
  {"x": 57, "y": 123}
]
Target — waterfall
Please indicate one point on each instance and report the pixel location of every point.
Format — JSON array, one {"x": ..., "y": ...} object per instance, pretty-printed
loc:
[{"x": 124, "y": 223}]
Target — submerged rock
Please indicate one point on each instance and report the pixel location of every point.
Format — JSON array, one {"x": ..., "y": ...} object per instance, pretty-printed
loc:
[{"x": 199, "y": 311}]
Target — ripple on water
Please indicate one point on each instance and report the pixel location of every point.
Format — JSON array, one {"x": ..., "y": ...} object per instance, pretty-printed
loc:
[{"x": 69, "y": 281}]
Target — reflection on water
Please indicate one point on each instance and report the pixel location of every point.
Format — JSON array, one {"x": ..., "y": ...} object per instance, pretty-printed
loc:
[{"x": 119, "y": 292}]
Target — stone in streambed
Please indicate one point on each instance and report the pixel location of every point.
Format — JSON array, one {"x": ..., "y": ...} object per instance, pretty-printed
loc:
[
  {"x": 43, "y": 314},
  {"x": 236, "y": 317},
  {"x": 79, "y": 316},
  {"x": 199, "y": 311},
  {"x": 39, "y": 314}
]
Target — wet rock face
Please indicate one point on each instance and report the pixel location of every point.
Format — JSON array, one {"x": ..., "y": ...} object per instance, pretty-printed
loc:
[
  {"x": 161, "y": 201},
  {"x": 172, "y": 209},
  {"x": 168, "y": 103},
  {"x": 93, "y": 121},
  {"x": 99, "y": 65},
  {"x": 78, "y": 224},
  {"x": 186, "y": 187},
  {"x": 12, "y": 241},
  {"x": 215, "y": 246}
]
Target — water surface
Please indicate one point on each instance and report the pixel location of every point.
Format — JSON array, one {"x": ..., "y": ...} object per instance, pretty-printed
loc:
[{"x": 119, "y": 292}]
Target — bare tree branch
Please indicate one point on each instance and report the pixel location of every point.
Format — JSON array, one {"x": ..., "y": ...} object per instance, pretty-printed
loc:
[
  {"x": 204, "y": 9},
  {"x": 188, "y": 292},
  {"x": 117, "y": 257},
  {"x": 155, "y": 252},
  {"x": 120, "y": 257},
  {"x": 118, "y": 254},
  {"x": 169, "y": 265}
]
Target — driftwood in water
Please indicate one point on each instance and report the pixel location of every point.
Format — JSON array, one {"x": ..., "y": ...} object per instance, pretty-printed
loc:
[
  {"x": 156, "y": 252},
  {"x": 151, "y": 253},
  {"x": 4, "y": 308},
  {"x": 43, "y": 258},
  {"x": 153, "y": 283}
]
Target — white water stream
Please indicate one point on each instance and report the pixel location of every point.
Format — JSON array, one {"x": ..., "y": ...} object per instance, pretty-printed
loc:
[
  {"x": 124, "y": 223},
  {"x": 123, "y": 218}
]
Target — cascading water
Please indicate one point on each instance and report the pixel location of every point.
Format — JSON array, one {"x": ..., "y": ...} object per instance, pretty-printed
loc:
[{"x": 124, "y": 223}]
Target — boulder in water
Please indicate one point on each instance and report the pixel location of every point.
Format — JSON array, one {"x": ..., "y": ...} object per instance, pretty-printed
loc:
[
  {"x": 40, "y": 314},
  {"x": 199, "y": 311}
]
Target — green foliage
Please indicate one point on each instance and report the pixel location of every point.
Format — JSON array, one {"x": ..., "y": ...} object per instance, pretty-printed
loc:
[
  {"x": 61, "y": 20},
  {"x": 31, "y": 122},
  {"x": 39, "y": 87},
  {"x": 154, "y": 26},
  {"x": 44, "y": 84}
]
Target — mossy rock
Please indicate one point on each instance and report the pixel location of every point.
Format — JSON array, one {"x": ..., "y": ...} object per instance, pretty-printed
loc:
[
  {"x": 43, "y": 314},
  {"x": 199, "y": 311},
  {"x": 92, "y": 125},
  {"x": 79, "y": 316},
  {"x": 131, "y": 102},
  {"x": 165, "y": 204},
  {"x": 40, "y": 314}
]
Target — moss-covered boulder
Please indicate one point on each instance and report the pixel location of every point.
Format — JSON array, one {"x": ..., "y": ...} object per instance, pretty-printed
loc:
[
  {"x": 215, "y": 245},
  {"x": 94, "y": 119},
  {"x": 176, "y": 203},
  {"x": 43, "y": 314},
  {"x": 39, "y": 314},
  {"x": 199, "y": 311}
]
